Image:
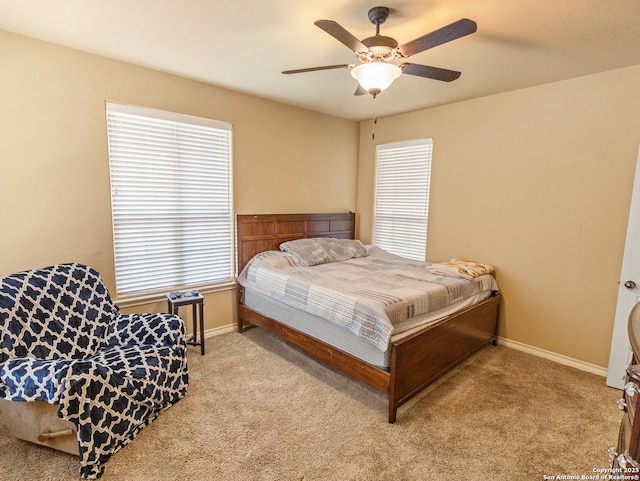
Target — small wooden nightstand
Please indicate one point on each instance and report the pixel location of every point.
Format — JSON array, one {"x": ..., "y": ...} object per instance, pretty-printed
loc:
[{"x": 194, "y": 299}]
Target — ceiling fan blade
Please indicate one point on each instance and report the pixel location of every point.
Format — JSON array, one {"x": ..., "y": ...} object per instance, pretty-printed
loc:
[
  {"x": 360, "y": 91},
  {"x": 429, "y": 72},
  {"x": 313, "y": 69},
  {"x": 342, "y": 35},
  {"x": 455, "y": 30}
]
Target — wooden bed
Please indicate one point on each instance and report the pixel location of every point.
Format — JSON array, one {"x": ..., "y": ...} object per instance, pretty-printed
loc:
[{"x": 416, "y": 360}]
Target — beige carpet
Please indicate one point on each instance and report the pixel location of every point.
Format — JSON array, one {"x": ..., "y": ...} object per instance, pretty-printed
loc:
[{"x": 258, "y": 409}]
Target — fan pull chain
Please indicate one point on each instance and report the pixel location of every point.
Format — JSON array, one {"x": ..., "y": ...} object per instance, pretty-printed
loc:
[{"x": 375, "y": 120}]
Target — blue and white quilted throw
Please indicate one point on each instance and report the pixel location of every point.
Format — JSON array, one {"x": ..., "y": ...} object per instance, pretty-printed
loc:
[{"x": 63, "y": 341}]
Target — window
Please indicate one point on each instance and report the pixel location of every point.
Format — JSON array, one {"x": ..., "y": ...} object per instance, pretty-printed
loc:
[
  {"x": 171, "y": 200},
  {"x": 403, "y": 173}
]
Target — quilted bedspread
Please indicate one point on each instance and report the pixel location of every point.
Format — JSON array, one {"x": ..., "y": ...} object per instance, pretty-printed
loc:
[
  {"x": 367, "y": 295},
  {"x": 63, "y": 341}
]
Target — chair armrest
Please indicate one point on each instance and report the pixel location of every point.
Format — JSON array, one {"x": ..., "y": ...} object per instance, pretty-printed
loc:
[{"x": 149, "y": 329}]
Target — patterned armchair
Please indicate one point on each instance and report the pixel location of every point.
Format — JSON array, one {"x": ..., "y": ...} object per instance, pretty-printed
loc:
[{"x": 63, "y": 342}]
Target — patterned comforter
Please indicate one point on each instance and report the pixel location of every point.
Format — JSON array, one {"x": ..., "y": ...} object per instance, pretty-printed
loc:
[{"x": 367, "y": 295}]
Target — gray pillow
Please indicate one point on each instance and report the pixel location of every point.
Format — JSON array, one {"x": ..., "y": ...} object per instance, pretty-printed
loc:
[{"x": 320, "y": 250}]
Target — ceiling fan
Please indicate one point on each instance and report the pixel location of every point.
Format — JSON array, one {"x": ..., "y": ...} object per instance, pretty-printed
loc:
[{"x": 377, "y": 72}]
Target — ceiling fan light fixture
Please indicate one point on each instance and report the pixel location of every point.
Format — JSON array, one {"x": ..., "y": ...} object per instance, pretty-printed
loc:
[{"x": 376, "y": 76}]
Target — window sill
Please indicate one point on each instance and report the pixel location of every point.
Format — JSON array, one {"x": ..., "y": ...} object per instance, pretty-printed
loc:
[{"x": 162, "y": 296}]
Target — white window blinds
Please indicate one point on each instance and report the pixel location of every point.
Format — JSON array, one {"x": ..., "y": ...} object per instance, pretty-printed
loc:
[
  {"x": 171, "y": 198},
  {"x": 403, "y": 173}
]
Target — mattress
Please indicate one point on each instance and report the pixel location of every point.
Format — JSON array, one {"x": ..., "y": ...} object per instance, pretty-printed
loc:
[{"x": 342, "y": 338}]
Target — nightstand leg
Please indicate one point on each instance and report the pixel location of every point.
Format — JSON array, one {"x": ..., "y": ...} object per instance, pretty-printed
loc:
[
  {"x": 202, "y": 328},
  {"x": 195, "y": 325}
]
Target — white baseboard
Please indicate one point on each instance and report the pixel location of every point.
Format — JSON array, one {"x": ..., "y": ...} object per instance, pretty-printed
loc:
[
  {"x": 216, "y": 331},
  {"x": 552, "y": 356}
]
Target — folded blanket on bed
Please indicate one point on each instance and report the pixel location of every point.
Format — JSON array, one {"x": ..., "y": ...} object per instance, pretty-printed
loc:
[{"x": 462, "y": 268}]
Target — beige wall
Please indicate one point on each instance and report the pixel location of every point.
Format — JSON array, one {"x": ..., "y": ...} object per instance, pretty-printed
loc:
[
  {"x": 54, "y": 177},
  {"x": 538, "y": 183}
]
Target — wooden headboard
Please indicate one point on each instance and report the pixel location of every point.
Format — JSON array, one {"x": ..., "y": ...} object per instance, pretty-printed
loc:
[{"x": 264, "y": 232}]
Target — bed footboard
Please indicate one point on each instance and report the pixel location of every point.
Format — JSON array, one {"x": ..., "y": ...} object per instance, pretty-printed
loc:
[{"x": 420, "y": 359}]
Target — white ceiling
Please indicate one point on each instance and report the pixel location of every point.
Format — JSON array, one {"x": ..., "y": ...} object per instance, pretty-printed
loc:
[{"x": 245, "y": 44}]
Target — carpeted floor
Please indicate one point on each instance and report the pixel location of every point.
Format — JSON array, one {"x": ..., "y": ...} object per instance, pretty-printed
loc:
[{"x": 258, "y": 409}]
